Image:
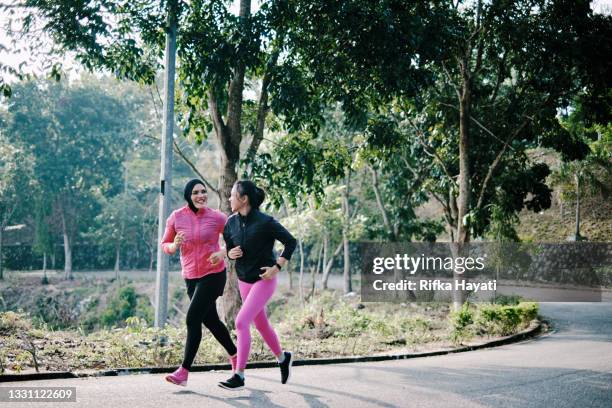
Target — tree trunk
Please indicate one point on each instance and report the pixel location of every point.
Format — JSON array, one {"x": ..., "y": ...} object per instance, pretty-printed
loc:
[
  {"x": 45, "y": 279},
  {"x": 229, "y": 136},
  {"x": 1, "y": 253},
  {"x": 314, "y": 272},
  {"x": 117, "y": 253},
  {"x": 301, "y": 279},
  {"x": 328, "y": 266},
  {"x": 463, "y": 202},
  {"x": 381, "y": 205},
  {"x": 325, "y": 249},
  {"x": 348, "y": 287},
  {"x": 67, "y": 247}
]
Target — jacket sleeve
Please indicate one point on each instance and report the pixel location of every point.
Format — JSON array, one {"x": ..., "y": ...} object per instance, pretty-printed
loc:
[
  {"x": 169, "y": 234},
  {"x": 281, "y": 234},
  {"x": 222, "y": 222},
  {"x": 227, "y": 236}
]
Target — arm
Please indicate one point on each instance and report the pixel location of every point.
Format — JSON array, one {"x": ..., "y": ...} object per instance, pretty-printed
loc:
[
  {"x": 167, "y": 244},
  {"x": 281, "y": 234},
  {"x": 218, "y": 256},
  {"x": 232, "y": 250}
]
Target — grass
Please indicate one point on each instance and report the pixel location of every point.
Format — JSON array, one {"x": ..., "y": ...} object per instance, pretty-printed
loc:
[{"x": 330, "y": 325}]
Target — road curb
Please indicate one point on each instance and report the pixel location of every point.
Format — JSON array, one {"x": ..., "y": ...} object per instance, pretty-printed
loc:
[{"x": 528, "y": 333}]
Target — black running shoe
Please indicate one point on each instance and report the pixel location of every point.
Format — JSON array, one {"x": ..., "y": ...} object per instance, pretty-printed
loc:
[
  {"x": 285, "y": 367},
  {"x": 234, "y": 383}
]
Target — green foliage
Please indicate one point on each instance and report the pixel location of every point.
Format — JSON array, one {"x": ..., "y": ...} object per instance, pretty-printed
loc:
[
  {"x": 77, "y": 136},
  {"x": 330, "y": 325},
  {"x": 461, "y": 321},
  {"x": 17, "y": 183},
  {"x": 508, "y": 300},
  {"x": 124, "y": 304},
  {"x": 497, "y": 53},
  {"x": 505, "y": 319},
  {"x": 501, "y": 319},
  {"x": 300, "y": 165}
]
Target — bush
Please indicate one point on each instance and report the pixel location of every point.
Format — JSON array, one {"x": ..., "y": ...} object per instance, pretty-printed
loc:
[
  {"x": 124, "y": 304},
  {"x": 461, "y": 321},
  {"x": 504, "y": 320},
  {"x": 511, "y": 300}
]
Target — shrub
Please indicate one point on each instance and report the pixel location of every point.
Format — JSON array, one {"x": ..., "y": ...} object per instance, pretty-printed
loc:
[
  {"x": 461, "y": 321},
  {"x": 504, "y": 320},
  {"x": 124, "y": 304}
]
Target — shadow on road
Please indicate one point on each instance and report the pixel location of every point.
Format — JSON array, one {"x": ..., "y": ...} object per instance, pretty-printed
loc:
[{"x": 256, "y": 398}]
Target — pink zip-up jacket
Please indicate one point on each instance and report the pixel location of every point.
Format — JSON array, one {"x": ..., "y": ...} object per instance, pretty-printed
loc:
[{"x": 201, "y": 231}]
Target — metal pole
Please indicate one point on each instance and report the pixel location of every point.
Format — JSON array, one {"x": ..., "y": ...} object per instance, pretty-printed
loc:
[{"x": 161, "y": 285}]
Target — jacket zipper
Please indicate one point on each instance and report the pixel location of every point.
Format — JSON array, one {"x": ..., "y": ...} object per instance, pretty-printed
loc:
[{"x": 193, "y": 234}]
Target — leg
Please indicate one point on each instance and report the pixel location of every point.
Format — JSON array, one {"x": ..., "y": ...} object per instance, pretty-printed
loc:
[
  {"x": 219, "y": 330},
  {"x": 265, "y": 328},
  {"x": 202, "y": 300},
  {"x": 211, "y": 319},
  {"x": 255, "y": 296}
]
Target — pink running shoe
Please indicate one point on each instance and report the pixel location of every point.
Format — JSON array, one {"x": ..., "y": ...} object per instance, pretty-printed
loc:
[
  {"x": 179, "y": 377},
  {"x": 234, "y": 361}
]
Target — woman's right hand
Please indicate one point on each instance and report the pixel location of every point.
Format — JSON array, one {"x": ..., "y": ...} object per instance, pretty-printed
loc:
[
  {"x": 235, "y": 252},
  {"x": 178, "y": 240}
]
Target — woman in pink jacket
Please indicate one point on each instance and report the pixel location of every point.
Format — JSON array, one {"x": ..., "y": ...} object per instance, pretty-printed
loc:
[{"x": 195, "y": 229}]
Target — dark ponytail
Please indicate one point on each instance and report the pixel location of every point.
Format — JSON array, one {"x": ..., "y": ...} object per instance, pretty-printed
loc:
[{"x": 256, "y": 195}]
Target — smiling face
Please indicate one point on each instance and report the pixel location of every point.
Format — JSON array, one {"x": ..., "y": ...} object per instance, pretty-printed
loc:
[
  {"x": 199, "y": 196},
  {"x": 236, "y": 201}
]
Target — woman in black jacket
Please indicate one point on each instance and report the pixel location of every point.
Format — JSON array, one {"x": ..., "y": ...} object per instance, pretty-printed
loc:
[{"x": 249, "y": 236}]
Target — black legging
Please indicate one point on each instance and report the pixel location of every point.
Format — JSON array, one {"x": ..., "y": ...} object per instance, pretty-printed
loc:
[{"x": 203, "y": 293}]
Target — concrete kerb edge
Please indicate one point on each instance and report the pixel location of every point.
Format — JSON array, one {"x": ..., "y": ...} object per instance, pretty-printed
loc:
[{"x": 528, "y": 333}]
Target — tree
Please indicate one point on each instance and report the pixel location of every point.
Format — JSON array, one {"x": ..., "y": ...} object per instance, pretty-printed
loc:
[
  {"x": 17, "y": 185},
  {"x": 591, "y": 175},
  {"x": 78, "y": 135},
  {"x": 43, "y": 238},
  {"x": 472, "y": 81},
  {"x": 117, "y": 227},
  {"x": 217, "y": 53}
]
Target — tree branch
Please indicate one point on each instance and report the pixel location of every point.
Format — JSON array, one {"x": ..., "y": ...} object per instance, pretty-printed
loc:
[
  {"x": 188, "y": 162},
  {"x": 450, "y": 80},
  {"x": 432, "y": 152},
  {"x": 215, "y": 115},
  {"x": 380, "y": 203},
  {"x": 496, "y": 162},
  {"x": 480, "y": 125},
  {"x": 262, "y": 109}
]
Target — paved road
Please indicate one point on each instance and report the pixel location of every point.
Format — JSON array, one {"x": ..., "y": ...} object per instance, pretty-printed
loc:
[{"x": 571, "y": 367}]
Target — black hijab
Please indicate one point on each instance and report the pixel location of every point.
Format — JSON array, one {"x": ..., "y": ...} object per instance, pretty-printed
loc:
[{"x": 187, "y": 192}]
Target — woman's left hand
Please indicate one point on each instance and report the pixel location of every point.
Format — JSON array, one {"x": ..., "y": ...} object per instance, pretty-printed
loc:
[
  {"x": 216, "y": 257},
  {"x": 269, "y": 272}
]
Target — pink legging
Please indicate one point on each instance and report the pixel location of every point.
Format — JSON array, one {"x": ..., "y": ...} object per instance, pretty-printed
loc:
[{"x": 254, "y": 299}]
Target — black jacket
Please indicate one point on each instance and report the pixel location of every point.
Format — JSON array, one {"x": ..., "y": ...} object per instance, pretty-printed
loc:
[{"x": 255, "y": 234}]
